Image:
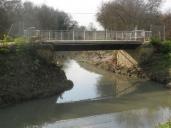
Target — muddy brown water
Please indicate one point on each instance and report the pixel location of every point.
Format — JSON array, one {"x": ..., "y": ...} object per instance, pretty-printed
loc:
[{"x": 97, "y": 96}]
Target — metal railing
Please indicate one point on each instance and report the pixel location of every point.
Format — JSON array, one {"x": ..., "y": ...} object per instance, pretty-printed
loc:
[{"x": 49, "y": 35}]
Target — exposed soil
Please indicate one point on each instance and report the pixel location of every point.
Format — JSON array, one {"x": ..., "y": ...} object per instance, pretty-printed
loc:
[{"x": 24, "y": 76}]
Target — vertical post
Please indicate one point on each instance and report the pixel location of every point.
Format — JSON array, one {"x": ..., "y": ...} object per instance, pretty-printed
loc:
[
  {"x": 56, "y": 36},
  {"x": 49, "y": 35},
  {"x": 159, "y": 35},
  {"x": 135, "y": 35},
  {"x": 73, "y": 35},
  {"x": 122, "y": 35},
  {"x": 116, "y": 36},
  {"x": 106, "y": 34},
  {"x": 144, "y": 35},
  {"x": 130, "y": 35},
  {"x": 136, "y": 32},
  {"x": 84, "y": 35},
  {"x": 61, "y": 35},
  {"x": 164, "y": 32},
  {"x": 95, "y": 36}
]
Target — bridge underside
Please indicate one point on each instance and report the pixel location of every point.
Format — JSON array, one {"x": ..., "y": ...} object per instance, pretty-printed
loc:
[{"x": 77, "y": 45}]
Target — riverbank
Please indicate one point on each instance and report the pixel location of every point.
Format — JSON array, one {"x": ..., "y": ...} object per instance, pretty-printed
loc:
[
  {"x": 25, "y": 75},
  {"x": 158, "y": 66},
  {"x": 151, "y": 64},
  {"x": 107, "y": 60}
]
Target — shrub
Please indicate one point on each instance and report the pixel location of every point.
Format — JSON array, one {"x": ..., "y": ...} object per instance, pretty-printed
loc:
[
  {"x": 166, "y": 125},
  {"x": 155, "y": 41},
  {"x": 166, "y": 46},
  {"x": 20, "y": 40}
]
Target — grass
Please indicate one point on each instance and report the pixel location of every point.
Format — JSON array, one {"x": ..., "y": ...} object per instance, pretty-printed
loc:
[{"x": 166, "y": 125}]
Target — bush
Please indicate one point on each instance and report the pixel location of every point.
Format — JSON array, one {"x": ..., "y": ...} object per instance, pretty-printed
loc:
[
  {"x": 161, "y": 47},
  {"x": 20, "y": 40},
  {"x": 166, "y": 46},
  {"x": 9, "y": 39},
  {"x": 155, "y": 41},
  {"x": 4, "y": 50},
  {"x": 166, "y": 125}
]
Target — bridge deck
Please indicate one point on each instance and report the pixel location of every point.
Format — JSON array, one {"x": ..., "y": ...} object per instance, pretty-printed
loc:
[{"x": 84, "y": 45}]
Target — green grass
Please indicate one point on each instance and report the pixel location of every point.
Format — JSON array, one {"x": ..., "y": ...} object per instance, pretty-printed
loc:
[
  {"x": 166, "y": 125},
  {"x": 20, "y": 40}
]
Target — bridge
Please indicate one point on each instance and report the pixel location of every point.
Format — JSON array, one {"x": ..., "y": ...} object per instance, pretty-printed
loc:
[{"x": 89, "y": 40}]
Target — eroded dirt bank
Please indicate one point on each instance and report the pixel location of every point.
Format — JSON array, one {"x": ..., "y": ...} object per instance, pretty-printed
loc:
[{"x": 24, "y": 76}]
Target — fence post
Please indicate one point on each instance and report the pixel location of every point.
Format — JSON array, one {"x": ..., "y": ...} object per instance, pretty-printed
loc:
[
  {"x": 95, "y": 36},
  {"x": 106, "y": 34},
  {"x": 116, "y": 36},
  {"x": 73, "y": 35},
  {"x": 49, "y": 35},
  {"x": 144, "y": 34},
  {"x": 122, "y": 35},
  {"x": 61, "y": 35},
  {"x": 164, "y": 32},
  {"x": 130, "y": 35},
  {"x": 84, "y": 35},
  {"x": 135, "y": 35}
]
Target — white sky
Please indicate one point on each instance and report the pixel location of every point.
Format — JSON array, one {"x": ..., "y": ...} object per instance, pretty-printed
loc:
[{"x": 78, "y": 8}]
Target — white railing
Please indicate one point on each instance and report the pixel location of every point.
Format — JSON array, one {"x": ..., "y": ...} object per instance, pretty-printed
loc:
[{"x": 49, "y": 35}]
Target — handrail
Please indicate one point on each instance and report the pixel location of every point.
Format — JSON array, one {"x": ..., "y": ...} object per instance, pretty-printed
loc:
[{"x": 86, "y": 35}]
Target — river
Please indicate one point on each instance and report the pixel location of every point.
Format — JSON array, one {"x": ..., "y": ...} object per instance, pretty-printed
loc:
[{"x": 98, "y": 99}]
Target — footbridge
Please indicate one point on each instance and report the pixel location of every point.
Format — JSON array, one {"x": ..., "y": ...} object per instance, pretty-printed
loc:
[{"x": 88, "y": 40}]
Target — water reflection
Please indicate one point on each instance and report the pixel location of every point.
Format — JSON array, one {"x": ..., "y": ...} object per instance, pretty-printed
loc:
[
  {"x": 92, "y": 83},
  {"x": 87, "y": 84},
  {"x": 142, "y": 118},
  {"x": 146, "y": 104}
]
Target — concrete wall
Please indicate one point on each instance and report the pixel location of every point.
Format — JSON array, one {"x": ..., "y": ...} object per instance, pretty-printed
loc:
[
  {"x": 125, "y": 60},
  {"x": 130, "y": 58}
]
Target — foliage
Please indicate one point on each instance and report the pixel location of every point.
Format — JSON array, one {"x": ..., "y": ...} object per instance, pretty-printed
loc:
[
  {"x": 166, "y": 46},
  {"x": 9, "y": 13},
  {"x": 161, "y": 46},
  {"x": 155, "y": 41},
  {"x": 13, "y": 13},
  {"x": 126, "y": 14},
  {"x": 4, "y": 50},
  {"x": 166, "y": 18},
  {"x": 6, "y": 39},
  {"x": 20, "y": 40},
  {"x": 166, "y": 125}
]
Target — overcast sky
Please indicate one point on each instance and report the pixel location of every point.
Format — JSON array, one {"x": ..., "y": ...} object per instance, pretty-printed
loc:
[{"x": 83, "y": 11}]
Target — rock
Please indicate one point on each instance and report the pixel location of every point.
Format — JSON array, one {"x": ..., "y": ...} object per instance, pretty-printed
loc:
[{"x": 169, "y": 85}]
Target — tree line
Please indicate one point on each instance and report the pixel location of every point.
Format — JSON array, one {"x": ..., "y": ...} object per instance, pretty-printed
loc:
[
  {"x": 127, "y": 14},
  {"x": 29, "y": 15},
  {"x": 113, "y": 15}
]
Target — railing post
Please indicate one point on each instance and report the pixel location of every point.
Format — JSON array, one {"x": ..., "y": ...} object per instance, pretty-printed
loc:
[
  {"x": 84, "y": 35},
  {"x": 49, "y": 35},
  {"x": 122, "y": 35},
  {"x": 73, "y": 35},
  {"x": 135, "y": 35},
  {"x": 144, "y": 35},
  {"x": 95, "y": 36},
  {"x": 106, "y": 34},
  {"x": 61, "y": 35},
  {"x": 116, "y": 36},
  {"x": 164, "y": 32}
]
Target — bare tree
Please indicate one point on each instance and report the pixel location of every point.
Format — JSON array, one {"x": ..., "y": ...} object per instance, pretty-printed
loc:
[
  {"x": 126, "y": 14},
  {"x": 166, "y": 18}
]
